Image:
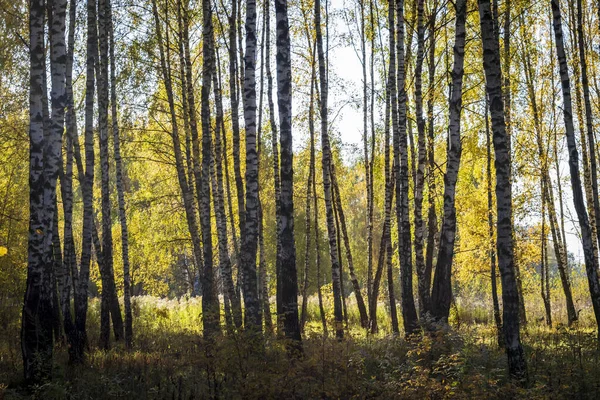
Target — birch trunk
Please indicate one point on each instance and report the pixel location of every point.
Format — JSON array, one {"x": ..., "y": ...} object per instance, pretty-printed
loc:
[
  {"x": 409, "y": 312},
  {"x": 276, "y": 170},
  {"x": 510, "y": 298},
  {"x": 210, "y": 300},
  {"x": 327, "y": 189},
  {"x": 424, "y": 299},
  {"x": 391, "y": 294},
  {"x": 390, "y": 96},
  {"x": 309, "y": 192},
  {"x": 491, "y": 233},
  {"x": 263, "y": 289},
  {"x": 544, "y": 280},
  {"x": 119, "y": 183},
  {"x": 367, "y": 163},
  {"x": 316, "y": 219},
  {"x": 250, "y": 233},
  {"x": 441, "y": 296},
  {"x": 87, "y": 184},
  {"x": 507, "y": 103},
  {"x": 109, "y": 296},
  {"x": 588, "y": 119},
  {"x": 70, "y": 272},
  {"x": 432, "y": 223},
  {"x": 221, "y": 218},
  {"x": 289, "y": 276},
  {"x": 45, "y": 143},
  {"x": 235, "y": 119},
  {"x": 338, "y": 239}
]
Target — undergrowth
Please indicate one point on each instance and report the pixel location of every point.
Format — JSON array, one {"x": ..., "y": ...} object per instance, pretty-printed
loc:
[{"x": 171, "y": 360}]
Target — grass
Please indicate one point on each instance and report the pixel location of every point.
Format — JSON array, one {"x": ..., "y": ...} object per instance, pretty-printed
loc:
[{"x": 172, "y": 361}]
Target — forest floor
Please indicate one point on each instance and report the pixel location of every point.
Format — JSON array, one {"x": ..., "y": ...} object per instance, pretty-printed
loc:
[{"x": 172, "y": 361}]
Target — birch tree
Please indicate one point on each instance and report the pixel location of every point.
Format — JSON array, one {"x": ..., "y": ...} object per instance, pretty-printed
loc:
[
  {"x": 250, "y": 233},
  {"x": 441, "y": 294},
  {"x": 45, "y": 154},
  {"x": 119, "y": 184},
  {"x": 289, "y": 276},
  {"x": 409, "y": 311},
  {"x": 327, "y": 181},
  {"x": 510, "y": 299}
]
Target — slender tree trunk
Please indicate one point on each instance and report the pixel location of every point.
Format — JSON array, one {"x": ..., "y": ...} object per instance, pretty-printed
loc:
[
  {"x": 491, "y": 233},
  {"x": 409, "y": 311},
  {"x": 184, "y": 90},
  {"x": 276, "y": 170},
  {"x": 316, "y": 219},
  {"x": 586, "y": 233},
  {"x": 119, "y": 182},
  {"x": 372, "y": 159},
  {"x": 506, "y": 90},
  {"x": 338, "y": 238},
  {"x": 383, "y": 255},
  {"x": 510, "y": 299},
  {"x": 327, "y": 189},
  {"x": 391, "y": 294},
  {"x": 307, "y": 247},
  {"x": 390, "y": 97},
  {"x": 309, "y": 189},
  {"x": 70, "y": 272},
  {"x": 368, "y": 181},
  {"x": 432, "y": 223},
  {"x": 588, "y": 119},
  {"x": 240, "y": 47},
  {"x": 87, "y": 183},
  {"x": 224, "y": 260},
  {"x": 263, "y": 289},
  {"x": 200, "y": 181},
  {"x": 289, "y": 276},
  {"x": 441, "y": 296},
  {"x": 53, "y": 158},
  {"x": 56, "y": 281},
  {"x": 263, "y": 285},
  {"x": 544, "y": 259},
  {"x": 555, "y": 148},
  {"x": 227, "y": 183},
  {"x": 219, "y": 208},
  {"x": 210, "y": 301},
  {"x": 234, "y": 103},
  {"x": 412, "y": 26},
  {"x": 250, "y": 236},
  {"x": 109, "y": 298},
  {"x": 424, "y": 299},
  {"x": 235, "y": 119}
]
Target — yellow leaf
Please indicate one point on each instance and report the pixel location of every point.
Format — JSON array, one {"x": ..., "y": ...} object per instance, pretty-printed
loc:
[{"x": 3, "y": 251}]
